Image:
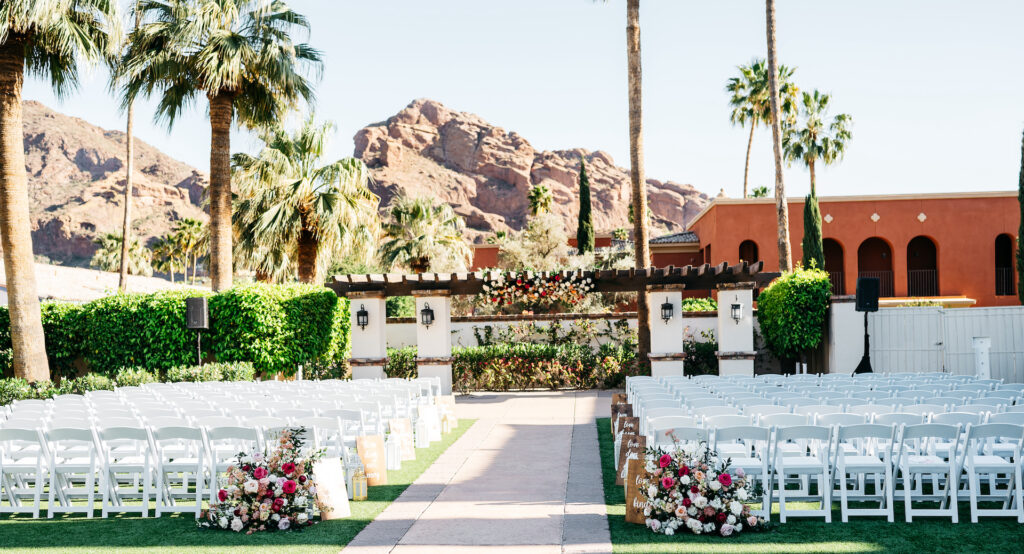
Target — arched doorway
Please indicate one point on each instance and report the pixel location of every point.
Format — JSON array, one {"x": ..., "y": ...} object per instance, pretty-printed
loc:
[
  {"x": 834, "y": 264},
  {"x": 748, "y": 251},
  {"x": 874, "y": 259},
  {"x": 922, "y": 267},
  {"x": 1004, "y": 265}
]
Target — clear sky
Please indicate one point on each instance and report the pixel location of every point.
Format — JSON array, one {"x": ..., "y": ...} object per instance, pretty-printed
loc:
[{"x": 935, "y": 87}]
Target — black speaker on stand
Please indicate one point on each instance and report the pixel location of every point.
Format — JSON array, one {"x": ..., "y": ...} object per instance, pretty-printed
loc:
[
  {"x": 197, "y": 316},
  {"x": 867, "y": 301}
]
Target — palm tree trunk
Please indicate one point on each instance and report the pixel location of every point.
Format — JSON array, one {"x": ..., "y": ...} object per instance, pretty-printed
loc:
[
  {"x": 27, "y": 339},
  {"x": 746, "y": 165},
  {"x": 636, "y": 171},
  {"x": 220, "y": 191},
  {"x": 782, "y": 210},
  {"x": 126, "y": 226},
  {"x": 307, "y": 251},
  {"x": 195, "y": 263},
  {"x": 810, "y": 166}
]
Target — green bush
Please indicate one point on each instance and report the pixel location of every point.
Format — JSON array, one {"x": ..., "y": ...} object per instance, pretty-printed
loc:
[
  {"x": 401, "y": 362},
  {"x": 236, "y": 371},
  {"x": 62, "y": 327},
  {"x": 13, "y": 389},
  {"x": 91, "y": 382},
  {"x": 700, "y": 354},
  {"x": 400, "y": 306},
  {"x": 134, "y": 376},
  {"x": 508, "y": 366},
  {"x": 791, "y": 311},
  {"x": 279, "y": 327},
  {"x": 699, "y": 305}
]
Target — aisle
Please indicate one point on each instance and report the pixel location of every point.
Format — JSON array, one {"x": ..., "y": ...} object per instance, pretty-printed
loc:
[{"x": 525, "y": 478}]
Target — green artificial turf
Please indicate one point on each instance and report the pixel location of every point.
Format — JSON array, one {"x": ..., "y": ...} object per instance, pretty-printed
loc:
[
  {"x": 178, "y": 533},
  {"x": 861, "y": 534}
]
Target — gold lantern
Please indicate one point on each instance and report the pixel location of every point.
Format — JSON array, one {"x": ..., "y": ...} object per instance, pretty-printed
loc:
[{"x": 359, "y": 485}]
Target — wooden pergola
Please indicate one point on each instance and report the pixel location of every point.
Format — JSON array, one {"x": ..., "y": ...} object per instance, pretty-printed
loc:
[{"x": 700, "y": 277}]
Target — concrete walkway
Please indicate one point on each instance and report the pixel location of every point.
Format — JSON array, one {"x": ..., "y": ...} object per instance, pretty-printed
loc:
[{"x": 525, "y": 478}]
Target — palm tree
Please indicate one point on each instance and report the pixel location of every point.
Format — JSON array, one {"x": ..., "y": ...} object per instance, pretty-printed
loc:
[
  {"x": 540, "y": 199},
  {"x": 814, "y": 138},
  {"x": 191, "y": 238},
  {"x": 240, "y": 54},
  {"x": 49, "y": 37},
  {"x": 760, "y": 192},
  {"x": 750, "y": 104},
  {"x": 291, "y": 201},
  {"x": 126, "y": 226},
  {"x": 423, "y": 235},
  {"x": 108, "y": 256},
  {"x": 167, "y": 257},
  {"x": 781, "y": 209}
]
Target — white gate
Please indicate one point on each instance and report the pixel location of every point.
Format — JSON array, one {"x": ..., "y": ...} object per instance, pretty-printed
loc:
[{"x": 940, "y": 339}]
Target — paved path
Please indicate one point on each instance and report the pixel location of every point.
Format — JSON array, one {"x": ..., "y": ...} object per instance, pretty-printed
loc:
[{"x": 525, "y": 478}]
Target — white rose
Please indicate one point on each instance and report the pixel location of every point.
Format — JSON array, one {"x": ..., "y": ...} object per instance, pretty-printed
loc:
[
  {"x": 736, "y": 507},
  {"x": 739, "y": 527},
  {"x": 691, "y": 511},
  {"x": 715, "y": 485},
  {"x": 300, "y": 501},
  {"x": 716, "y": 504},
  {"x": 251, "y": 486},
  {"x": 731, "y": 520},
  {"x": 652, "y": 491},
  {"x": 223, "y": 522},
  {"x": 301, "y": 518},
  {"x": 669, "y": 531},
  {"x": 647, "y": 510},
  {"x": 700, "y": 502},
  {"x": 741, "y": 494},
  {"x": 278, "y": 491},
  {"x": 236, "y": 524},
  {"x": 275, "y": 517},
  {"x": 709, "y": 527},
  {"x": 684, "y": 480}
]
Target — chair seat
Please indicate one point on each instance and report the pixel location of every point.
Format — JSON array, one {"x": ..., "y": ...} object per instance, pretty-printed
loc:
[
  {"x": 180, "y": 464},
  {"x": 732, "y": 451},
  {"x": 862, "y": 463},
  {"x": 927, "y": 463},
  {"x": 990, "y": 463},
  {"x": 801, "y": 463}
]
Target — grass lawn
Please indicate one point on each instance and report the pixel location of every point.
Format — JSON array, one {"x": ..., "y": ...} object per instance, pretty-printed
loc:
[
  {"x": 861, "y": 534},
  {"x": 75, "y": 533}
]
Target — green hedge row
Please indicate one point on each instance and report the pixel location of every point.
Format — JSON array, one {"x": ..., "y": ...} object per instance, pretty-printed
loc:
[{"x": 275, "y": 327}]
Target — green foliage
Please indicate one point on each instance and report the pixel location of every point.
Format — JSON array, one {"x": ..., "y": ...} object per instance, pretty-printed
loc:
[
  {"x": 62, "y": 327},
  {"x": 700, "y": 354},
  {"x": 814, "y": 250},
  {"x": 223, "y": 371},
  {"x": 699, "y": 305},
  {"x": 401, "y": 306},
  {"x": 585, "y": 222},
  {"x": 91, "y": 382},
  {"x": 759, "y": 192},
  {"x": 13, "y": 389},
  {"x": 523, "y": 366},
  {"x": 134, "y": 376},
  {"x": 278, "y": 327},
  {"x": 108, "y": 255},
  {"x": 791, "y": 311},
  {"x": 540, "y": 199},
  {"x": 401, "y": 362}
]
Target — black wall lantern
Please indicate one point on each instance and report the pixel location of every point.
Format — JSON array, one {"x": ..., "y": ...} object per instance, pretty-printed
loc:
[
  {"x": 737, "y": 312},
  {"x": 666, "y": 311},
  {"x": 427, "y": 315},
  {"x": 362, "y": 317}
]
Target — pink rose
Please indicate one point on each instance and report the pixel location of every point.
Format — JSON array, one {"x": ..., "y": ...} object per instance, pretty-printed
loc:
[
  {"x": 725, "y": 479},
  {"x": 222, "y": 495},
  {"x": 684, "y": 470},
  {"x": 288, "y": 468},
  {"x": 259, "y": 472},
  {"x": 664, "y": 460},
  {"x": 727, "y": 530},
  {"x": 667, "y": 482},
  {"x": 289, "y": 486},
  {"x": 739, "y": 472},
  {"x": 752, "y": 521}
]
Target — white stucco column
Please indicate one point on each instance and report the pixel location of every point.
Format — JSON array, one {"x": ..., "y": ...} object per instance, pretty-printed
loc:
[
  {"x": 736, "y": 336},
  {"x": 434, "y": 342},
  {"x": 369, "y": 344},
  {"x": 845, "y": 335},
  {"x": 666, "y": 335}
]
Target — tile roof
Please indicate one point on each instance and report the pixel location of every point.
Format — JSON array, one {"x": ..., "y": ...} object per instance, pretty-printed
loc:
[{"x": 677, "y": 238}]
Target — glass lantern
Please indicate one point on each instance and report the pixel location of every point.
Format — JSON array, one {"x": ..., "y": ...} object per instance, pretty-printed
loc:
[
  {"x": 362, "y": 317},
  {"x": 427, "y": 315},
  {"x": 359, "y": 485}
]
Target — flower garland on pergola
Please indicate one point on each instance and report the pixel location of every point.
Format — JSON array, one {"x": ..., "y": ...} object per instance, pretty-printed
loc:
[{"x": 538, "y": 289}]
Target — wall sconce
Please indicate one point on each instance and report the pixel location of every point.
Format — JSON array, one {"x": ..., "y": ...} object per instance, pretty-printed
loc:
[
  {"x": 362, "y": 317},
  {"x": 427, "y": 315},
  {"x": 666, "y": 311},
  {"x": 737, "y": 312}
]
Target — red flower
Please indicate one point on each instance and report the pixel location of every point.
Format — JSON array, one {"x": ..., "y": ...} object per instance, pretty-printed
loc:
[
  {"x": 276, "y": 507},
  {"x": 222, "y": 495},
  {"x": 687, "y": 502},
  {"x": 279, "y": 502},
  {"x": 721, "y": 517},
  {"x": 664, "y": 460},
  {"x": 288, "y": 468},
  {"x": 667, "y": 482},
  {"x": 302, "y": 478},
  {"x": 684, "y": 470},
  {"x": 259, "y": 472},
  {"x": 247, "y": 468},
  {"x": 694, "y": 489},
  {"x": 289, "y": 486},
  {"x": 725, "y": 479}
]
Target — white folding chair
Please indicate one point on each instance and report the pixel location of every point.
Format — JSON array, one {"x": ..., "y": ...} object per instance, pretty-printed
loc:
[
  {"x": 223, "y": 445},
  {"x": 661, "y": 428},
  {"x": 127, "y": 458},
  {"x": 181, "y": 458},
  {"x": 17, "y": 472},
  {"x": 74, "y": 457},
  {"x": 838, "y": 420},
  {"x": 861, "y": 451},
  {"x": 810, "y": 459},
  {"x": 753, "y": 446},
  {"x": 916, "y": 458},
  {"x": 763, "y": 410},
  {"x": 898, "y": 418},
  {"x": 709, "y": 411},
  {"x": 675, "y": 437},
  {"x": 978, "y": 460}
]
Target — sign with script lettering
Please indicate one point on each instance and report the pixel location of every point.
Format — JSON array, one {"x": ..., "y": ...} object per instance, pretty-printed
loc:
[
  {"x": 619, "y": 410},
  {"x": 371, "y": 452},
  {"x": 402, "y": 427},
  {"x": 627, "y": 424},
  {"x": 636, "y": 477},
  {"x": 633, "y": 448},
  {"x": 331, "y": 494}
]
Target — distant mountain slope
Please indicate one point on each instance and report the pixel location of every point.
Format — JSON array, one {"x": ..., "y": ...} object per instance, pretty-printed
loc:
[
  {"x": 485, "y": 172},
  {"x": 76, "y": 185}
]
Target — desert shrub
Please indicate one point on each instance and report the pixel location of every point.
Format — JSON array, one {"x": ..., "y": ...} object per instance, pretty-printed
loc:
[
  {"x": 791, "y": 311},
  {"x": 134, "y": 376}
]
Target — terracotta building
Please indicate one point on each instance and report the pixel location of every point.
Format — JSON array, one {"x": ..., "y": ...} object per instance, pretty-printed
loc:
[{"x": 957, "y": 247}]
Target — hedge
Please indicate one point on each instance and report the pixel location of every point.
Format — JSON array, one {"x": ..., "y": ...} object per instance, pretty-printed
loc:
[
  {"x": 274, "y": 327},
  {"x": 791, "y": 311}
]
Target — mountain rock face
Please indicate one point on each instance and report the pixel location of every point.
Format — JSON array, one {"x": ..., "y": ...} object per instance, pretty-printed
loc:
[
  {"x": 76, "y": 185},
  {"x": 485, "y": 173}
]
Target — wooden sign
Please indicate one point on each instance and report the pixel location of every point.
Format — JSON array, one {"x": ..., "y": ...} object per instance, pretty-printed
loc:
[
  {"x": 633, "y": 448},
  {"x": 627, "y": 425},
  {"x": 371, "y": 452},
  {"x": 619, "y": 398},
  {"x": 402, "y": 427},
  {"x": 446, "y": 404},
  {"x": 619, "y": 410},
  {"x": 636, "y": 477},
  {"x": 331, "y": 494}
]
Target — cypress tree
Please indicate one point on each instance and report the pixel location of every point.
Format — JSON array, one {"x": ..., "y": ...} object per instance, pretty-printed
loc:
[
  {"x": 1020, "y": 231},
  {"x": 585, "y": 225},
  {"x": 814, "y": 250}
]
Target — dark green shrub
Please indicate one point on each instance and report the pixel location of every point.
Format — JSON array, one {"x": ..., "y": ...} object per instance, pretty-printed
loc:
[
  {"x": 134, "y": 376},
  {"x": 791, "y": 311},
  {"x": 279, "y": 327},
  {"x": 400, "y": 306},
  {"x": 700, "y": 355},
  {"x": 91, "y": 382},
  {"x": 401, "y": 362},
  {"x": 62, "y": 327},
  {"x": 699, "y": 305}
]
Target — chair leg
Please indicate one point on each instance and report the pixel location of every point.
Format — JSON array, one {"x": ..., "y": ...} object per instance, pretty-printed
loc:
[
  {"x": 907, "y": 494},
  {"x": 52, "y": 495},
  {"x": 843, "y": 503},
  {"x": 826, "y": 494},
  {"x": 1018, "y": 489},
  {"x": 888, "y": 494},
  {"x": 90, "y": 490},
  {"x": 972, "y": 485}
]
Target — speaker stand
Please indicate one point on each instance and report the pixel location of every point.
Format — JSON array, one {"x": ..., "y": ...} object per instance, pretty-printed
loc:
[
  {"x": 865, "y": 362},
  {"x": 199, "y": 347}
]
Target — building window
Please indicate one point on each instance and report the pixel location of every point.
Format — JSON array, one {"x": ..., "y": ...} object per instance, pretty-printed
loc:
[
  {"x": 922, "y": 267},
  {"x": 1004, "y": 265},
  {"x": 874, "y": 259},
  {"x": 834, "y": 261},
  {"x": 748, "y": 251}
]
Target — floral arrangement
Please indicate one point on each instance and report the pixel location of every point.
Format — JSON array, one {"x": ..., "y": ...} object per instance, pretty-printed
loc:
[
  {"x": 273, "y": 491},
  {"x": 537, "y": 289},
  {"x": 690, "y": 488}
]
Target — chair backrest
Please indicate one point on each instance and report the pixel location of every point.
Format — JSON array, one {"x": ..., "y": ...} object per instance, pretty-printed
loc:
[
  {"x": 958, "y": 418},
  {"x": 831, "y": 420},
  {"x": 803, "y": 432},
  {"x": 667, "y": 422},
  {"x": 870, "y": 409},
  {"x": 924, "y": 409},
  {"x": 817, "y": 409},
  {"x": 763, "y": 410},
  {"x": 1005, "y": 431},
  {"x": 866, "y": 431},
  {"x": 980, "y": 405},
  {"x": 680, "y": 434},
  {"x": 782, "y": 420},
  {"x": 266, "y": 422},
  {"x": 742, "y": 432},
  {"x": 931, "y": 431},
  {"x": 709, "y": 411},
  {"x": 898, "y": 418},
  {"x": 703, "y": 403},
  {"x": 1013, "y": 418},
  {"x": 655, "y": 413},
  {"x": 730, "y": 420}
]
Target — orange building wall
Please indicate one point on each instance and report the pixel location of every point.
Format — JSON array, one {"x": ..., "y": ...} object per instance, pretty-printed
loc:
[{"x": 964, "y": 230}]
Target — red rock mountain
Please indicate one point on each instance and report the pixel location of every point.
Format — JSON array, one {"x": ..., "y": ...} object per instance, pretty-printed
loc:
[
  {"x": 485, "y": 172},
  {"x": 76, "y": 185}
]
